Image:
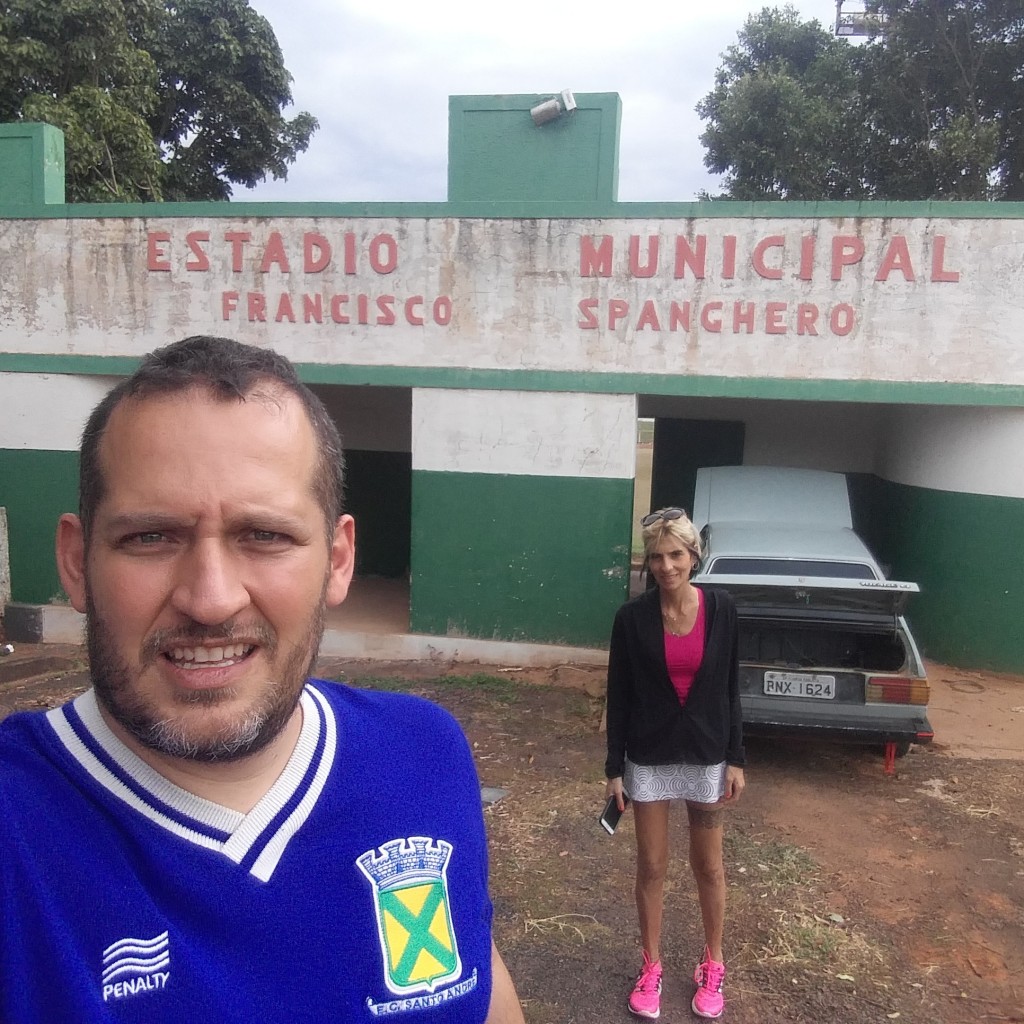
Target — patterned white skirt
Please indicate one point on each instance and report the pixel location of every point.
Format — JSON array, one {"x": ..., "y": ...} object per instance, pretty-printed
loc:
[{"x": 699, "y": 783}]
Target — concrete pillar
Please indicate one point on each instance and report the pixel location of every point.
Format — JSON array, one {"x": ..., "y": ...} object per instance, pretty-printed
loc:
[{"x": 522, "y": 504}]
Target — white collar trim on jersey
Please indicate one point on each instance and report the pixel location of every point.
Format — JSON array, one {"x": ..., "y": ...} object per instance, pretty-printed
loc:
[{"x": 246, "y": 834}]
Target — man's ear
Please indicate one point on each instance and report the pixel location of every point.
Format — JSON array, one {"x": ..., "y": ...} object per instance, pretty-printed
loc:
[
  {"x": 343, "y": 560},
  {"x": 71, "y": 559}
]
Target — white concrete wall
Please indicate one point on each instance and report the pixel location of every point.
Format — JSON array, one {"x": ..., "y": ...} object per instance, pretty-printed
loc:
[
  {"x": 47, "y": 412},
  {"x": 978, "y": 451},
  {"x": 5, "y": 561},
  {"x": 524, "y": 433},
  {"x": 839, "y": 436},
  {"x": 842, "y": 298}
]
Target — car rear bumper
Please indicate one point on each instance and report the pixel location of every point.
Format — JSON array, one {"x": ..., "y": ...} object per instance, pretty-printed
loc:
[{"x": 851, "y": 727}]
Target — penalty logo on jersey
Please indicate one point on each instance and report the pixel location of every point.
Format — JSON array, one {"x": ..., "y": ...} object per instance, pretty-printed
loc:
[{"x": 414, "y": 921}]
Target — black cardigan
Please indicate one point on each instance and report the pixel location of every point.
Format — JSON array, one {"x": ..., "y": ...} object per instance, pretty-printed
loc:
[{"x": 645, "y": 718}]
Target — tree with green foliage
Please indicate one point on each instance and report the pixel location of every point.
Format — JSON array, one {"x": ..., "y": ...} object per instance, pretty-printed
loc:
[
  {"x": 944, "y": 81},
  {"x": 157, "y": 99},
  {"x": 785, "y": 113},
  {"x": 930, "y": 107}
]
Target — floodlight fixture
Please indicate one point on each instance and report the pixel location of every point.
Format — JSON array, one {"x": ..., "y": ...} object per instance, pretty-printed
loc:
[{"x": 553, "y": 108}]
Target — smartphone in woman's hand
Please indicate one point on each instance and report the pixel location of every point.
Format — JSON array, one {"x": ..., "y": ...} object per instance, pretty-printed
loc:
[{"x": 610, "y": 815}]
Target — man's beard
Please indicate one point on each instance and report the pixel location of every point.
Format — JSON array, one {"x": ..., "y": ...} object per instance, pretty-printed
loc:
[{"x": 272, "y": 709}]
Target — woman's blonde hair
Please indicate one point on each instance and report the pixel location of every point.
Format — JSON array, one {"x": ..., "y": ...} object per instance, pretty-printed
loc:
[{"x": 679, "y": 528}]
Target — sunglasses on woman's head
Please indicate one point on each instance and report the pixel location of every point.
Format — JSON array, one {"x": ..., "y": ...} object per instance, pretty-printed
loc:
[{"x": 666, "y": 513}]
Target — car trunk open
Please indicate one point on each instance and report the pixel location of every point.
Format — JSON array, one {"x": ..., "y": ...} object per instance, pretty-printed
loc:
[{"x": 808, "y": 623}]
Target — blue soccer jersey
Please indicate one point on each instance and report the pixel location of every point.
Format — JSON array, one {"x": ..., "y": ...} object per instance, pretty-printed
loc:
[{"x": 355, "y": 889}]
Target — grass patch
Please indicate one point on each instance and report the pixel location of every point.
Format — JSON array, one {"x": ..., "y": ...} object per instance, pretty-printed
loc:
[
  {"x": 770, "y": 864},
  {"x": 781, "y": 885},
  {"x": 573, "y": 927},
  {"x": 801, "y": 936},
  {"x": 505, "y": 691}
]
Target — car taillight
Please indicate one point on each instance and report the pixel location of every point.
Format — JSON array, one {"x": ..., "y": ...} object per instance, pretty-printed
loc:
[{"x": 896, "y": 690}]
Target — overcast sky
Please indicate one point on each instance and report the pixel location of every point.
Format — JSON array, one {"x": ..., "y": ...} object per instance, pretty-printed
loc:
[{"x": 377, "y": 74}]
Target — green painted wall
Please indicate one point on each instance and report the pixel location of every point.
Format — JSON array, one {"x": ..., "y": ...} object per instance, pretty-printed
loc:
[
  {"x": 379, "y": 495},
  {"x": 520, "y": 557},
  {"x": 496, "y": 153},
  {"x": 936, "y": 538},
  {"x": 886, "y": 392},
  {"x": 31, "y": 164},
  {"x": 36, "y": 487}
]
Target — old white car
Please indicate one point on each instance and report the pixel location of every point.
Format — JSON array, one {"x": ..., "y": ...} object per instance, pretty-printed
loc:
[{"x": 824, "y": 648}]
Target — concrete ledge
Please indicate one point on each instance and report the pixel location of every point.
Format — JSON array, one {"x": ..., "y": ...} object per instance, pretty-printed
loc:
[
  {"x": 420, "y": 647},
  {"x": 61, "y": 624},
  {"x": 43, "y": 624}
]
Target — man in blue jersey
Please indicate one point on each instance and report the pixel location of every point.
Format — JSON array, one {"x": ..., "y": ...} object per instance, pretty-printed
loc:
[{"x": 207, "y": 834}]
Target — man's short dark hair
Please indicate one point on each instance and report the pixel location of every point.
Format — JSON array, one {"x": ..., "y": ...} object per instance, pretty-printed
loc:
[{"x": 227, "y": 370}]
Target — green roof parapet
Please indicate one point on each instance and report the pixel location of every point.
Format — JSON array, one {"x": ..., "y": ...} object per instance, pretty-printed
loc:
[
  {"x": 31, "y": 164},
  {"x": 558, "y": 147}
]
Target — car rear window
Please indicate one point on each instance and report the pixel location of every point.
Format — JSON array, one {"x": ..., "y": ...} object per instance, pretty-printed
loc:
[{"x": 791, "y": 567}]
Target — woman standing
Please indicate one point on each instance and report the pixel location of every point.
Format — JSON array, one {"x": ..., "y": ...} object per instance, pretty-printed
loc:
[{"x": 675, "y": 733}]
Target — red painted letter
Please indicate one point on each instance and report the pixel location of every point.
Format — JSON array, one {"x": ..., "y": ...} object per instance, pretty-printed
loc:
[
  {"x": 679, "y": 315},
  {"x": 650, "y": 268},
  {"x": 155, "y": 257},
  {"x": 807, "y": 318},
  {"x": 316, "y": 252},
  {"x": 201, "y": 261},
  {"x": 757, "y": 259},
  {"x": 706, "y": 321},
  {"x": 411, "y": 315},
  {"x": 648, "y": 317},
  {"x": 237, "y": 240},
  {"x": 729, "y": 257},
  {"x": 939, "y": 272},
  {"x": 742, "y": 316},
  {"x": 841, "y": 319},
  {"x": 694, "y": 258},
  {"x": 773, "y": 322},
  {"x": 596, "y": 262},
  {"x": 383, "y": 254},
  {"x": 589, "y": 321},
  {"x": 274, "y": 253},
  {"x": 846, "y": 250},
  {"x": 807, "y": 244},
  {"x": 617, "y": 310},
  {"x": 897, "y": 257}
]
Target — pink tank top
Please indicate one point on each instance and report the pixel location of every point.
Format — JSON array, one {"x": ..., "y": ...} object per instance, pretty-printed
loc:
[{"x": 683, "y": 654}]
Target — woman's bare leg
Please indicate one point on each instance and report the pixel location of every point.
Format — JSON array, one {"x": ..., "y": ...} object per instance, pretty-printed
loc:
[
  {"x": 706, "y": 830},
  {"x": 651, "y": 823}
]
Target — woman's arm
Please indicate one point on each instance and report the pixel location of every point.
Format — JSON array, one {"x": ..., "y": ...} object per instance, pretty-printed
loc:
[
  {"x": 613, "y": 787},
  {"x": 735, "y": 754},
  {"x": 505, "y": 1007},
  {"x": 617, "y": 700},
  {"x": 735, "y": 783}
]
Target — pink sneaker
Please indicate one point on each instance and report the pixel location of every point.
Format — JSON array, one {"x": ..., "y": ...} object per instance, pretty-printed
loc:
[
  {"x": 645, "y": 999},
  {"x": 709, "y": 975}
]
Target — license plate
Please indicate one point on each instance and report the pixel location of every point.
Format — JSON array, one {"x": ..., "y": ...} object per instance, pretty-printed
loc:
[{"x": 799, "y": 684}]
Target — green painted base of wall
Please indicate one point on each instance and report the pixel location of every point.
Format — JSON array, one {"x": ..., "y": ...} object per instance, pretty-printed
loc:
[
  {"x": 36, "y": 487},
  {"x": 379, "y": 495},
  {"x": 964, "y": 551},
  {"x": 544, "y": 559}
]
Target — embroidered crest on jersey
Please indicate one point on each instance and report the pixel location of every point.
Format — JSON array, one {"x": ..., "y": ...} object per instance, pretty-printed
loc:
[
  {"x": 414, "y": 921},
  {"x": 132, "y": 966}
]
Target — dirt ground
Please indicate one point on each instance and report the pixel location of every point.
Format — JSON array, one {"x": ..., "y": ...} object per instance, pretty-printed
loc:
[{"x": 854, "y": 896}]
